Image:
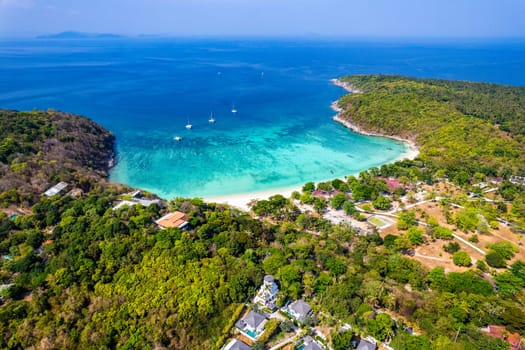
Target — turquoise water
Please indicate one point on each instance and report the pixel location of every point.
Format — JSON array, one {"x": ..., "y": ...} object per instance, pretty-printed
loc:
[
  {"x": 145, "y": 90},
  {"x": 252, "y": 334}
]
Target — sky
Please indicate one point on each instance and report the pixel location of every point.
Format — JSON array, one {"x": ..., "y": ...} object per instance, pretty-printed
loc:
[{"x": 348, "y": 18}]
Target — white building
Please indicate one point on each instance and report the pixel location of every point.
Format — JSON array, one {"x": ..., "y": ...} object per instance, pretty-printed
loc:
[
  {"x": 267, "y": 294},
  {"x": 56, "y": 189}
]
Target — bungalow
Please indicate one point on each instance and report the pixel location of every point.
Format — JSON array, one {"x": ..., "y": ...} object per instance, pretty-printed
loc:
[
  {"x": 252, "y": 325},
  {"x": 501, "y": 332},
  {"x": 299, "y": 310},
  {"x": 59, "y": 187},
  {"x": 267, "y": 294},
  {"x": 236, "y": 345},
  {"x": 171, "y": 220},
  {"x": 367, "y": 343}
]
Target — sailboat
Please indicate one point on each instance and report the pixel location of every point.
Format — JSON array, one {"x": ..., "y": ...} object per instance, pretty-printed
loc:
[
  {"x": 189, "y": 126},
  {"x": 234, "y": 110},
  {"x": 211, "y": 120}
]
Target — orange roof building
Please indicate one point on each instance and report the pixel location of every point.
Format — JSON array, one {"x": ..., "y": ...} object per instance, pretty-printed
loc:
[
  {"x": 175, "y": 219},
  {"x": 502, "y": 333}
]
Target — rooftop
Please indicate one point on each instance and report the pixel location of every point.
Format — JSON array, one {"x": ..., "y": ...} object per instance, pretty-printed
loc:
[
  {"x": 502, "y": 333},
  {"x": 175, "y": 219},
  {"x": 268, "y": 278},
  {"x": 55, "y": 189},
  {"x": 236, "y": 345},
  {"x": 300, "y": 307},
  {"x": 310, "y": 344},
  {"x": 365, "y": 344},
  {"x": 253, "y": 319}
]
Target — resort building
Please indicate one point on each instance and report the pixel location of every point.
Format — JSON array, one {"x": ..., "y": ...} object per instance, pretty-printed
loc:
[
  {"x": 299, "y": 310},
  {"x": 252, "y": 325},
  {"x": 236, "y": 345},
  {"x": 267, "y": 294},
  {"x": 59, "y": 187},
  {"x": 173, "y": 220}
]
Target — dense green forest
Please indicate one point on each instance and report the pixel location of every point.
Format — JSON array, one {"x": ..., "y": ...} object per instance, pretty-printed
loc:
[
  {"x": 463, "y": 128},
  {"x": 78, "y": 274},
  {"x": 41, "y": 148}
]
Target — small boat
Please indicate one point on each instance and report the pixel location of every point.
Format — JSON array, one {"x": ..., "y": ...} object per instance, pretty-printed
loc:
[
  {"x": 177, "y": 138},
  {"x": 189, "y": 126},
  {"x": 234, "y": 110},
  {"x": 211, "y": 120}
]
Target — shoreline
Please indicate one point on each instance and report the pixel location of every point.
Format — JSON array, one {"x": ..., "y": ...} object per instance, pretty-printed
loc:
[
  {"x": 413, "y": 150},
  {"x": 242, "y": 200},
  {"x": 347, "y": 86}
]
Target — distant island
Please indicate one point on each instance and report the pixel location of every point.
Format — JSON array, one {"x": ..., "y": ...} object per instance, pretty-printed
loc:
[
  {"x": 79, "y": 35},
  {"x": 420, "y": 254}
]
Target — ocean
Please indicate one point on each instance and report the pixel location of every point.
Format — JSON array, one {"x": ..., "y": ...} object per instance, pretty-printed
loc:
[{"x": 145, "y": 90}]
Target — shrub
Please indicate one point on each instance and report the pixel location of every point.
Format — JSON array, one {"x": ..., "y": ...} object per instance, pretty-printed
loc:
[
  {"x": 461, "y": 258},
  {"x": 389, "y": 241},
  {"x": 338, "y": 200},
  {"x": 415, "y": 235},
  {"x": 382, "y": 203},
  {"x": 451, "y": 248},
  {"x": 481, "y": 265},
  {"x": 474, "y": 239},
  {"x": 442, "y": 232},
  {"x": 406, "y": 220},
  {"x": 495, "y": 259},
  {"x": 504, "y": 248}
]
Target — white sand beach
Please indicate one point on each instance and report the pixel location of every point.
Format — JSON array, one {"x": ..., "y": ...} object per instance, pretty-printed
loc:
[{"x": 242, "y": 200}]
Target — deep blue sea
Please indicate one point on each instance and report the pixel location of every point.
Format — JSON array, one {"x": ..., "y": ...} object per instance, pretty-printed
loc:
[{"x": 145, "y": 90}]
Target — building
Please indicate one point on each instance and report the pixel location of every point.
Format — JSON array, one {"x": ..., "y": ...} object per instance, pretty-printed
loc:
[
  {"x": 321, "y": 194},
  {"x": 308, "y": 343},
  {"x": 517, "y": 180},
  {"x": 59, "y": 187},
  {"x": 501, "y": 332},
  {"x": 252, "y": 325},
  {"x": 134, "y": 199},
  {"x": 267, "y": 294},
  {"x": 236, "y": 345},
  {"x": 367, "y": 343},
  {"x": 299, "y": 310},
  {"x": 173, "y": 220}
]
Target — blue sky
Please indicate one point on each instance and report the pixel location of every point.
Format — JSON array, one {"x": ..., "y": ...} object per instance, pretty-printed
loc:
[{"x": 365, "y": 18}]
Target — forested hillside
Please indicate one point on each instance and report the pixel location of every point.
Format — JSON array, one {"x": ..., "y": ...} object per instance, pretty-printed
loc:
[
  {"x": 39, "y": 149},
  {"x": 463, "y": 128}
]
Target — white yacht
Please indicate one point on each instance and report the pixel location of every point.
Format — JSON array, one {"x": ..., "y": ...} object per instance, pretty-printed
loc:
[{"x": 177, "y": 138}]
